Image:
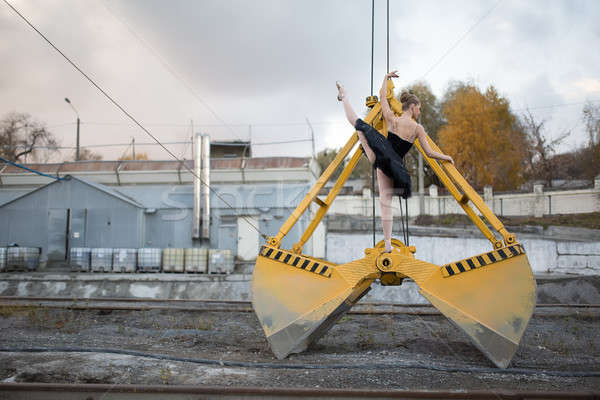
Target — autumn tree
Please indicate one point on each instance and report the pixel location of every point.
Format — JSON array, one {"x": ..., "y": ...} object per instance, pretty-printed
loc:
[
  {"x": 138, "y": 156},
  {"x": 87, "y": 154},
  {"x": 484, "y": 137},
  {"x": 21, "y": 137}
]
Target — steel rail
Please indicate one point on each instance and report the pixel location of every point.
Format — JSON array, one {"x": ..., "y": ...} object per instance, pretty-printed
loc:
[
  {"x": 244, "y": 302},
  {"x": 357, "y": 310},
  {"x": 168, "y": 392}
]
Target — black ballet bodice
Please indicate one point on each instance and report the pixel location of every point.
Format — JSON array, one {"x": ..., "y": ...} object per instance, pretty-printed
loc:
[{"x": 401, "y": 146}]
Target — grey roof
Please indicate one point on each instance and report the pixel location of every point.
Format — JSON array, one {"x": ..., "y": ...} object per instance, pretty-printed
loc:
[
  {"x": 96, "y": 186},
  {"x": 107, "y": 190}
]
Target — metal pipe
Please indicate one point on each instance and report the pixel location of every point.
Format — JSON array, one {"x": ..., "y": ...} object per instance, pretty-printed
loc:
[
  {"x": 77, "y": 140},
  {"x": 205, "y": 187},
  {"x": 197, "y": 184}
]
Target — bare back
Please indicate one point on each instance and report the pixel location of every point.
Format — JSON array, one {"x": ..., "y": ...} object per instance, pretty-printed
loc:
[{"x": 405, "y": 128}]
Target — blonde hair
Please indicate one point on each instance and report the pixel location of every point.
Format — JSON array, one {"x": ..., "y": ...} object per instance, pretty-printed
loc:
[{"x": 407, "y": 99}]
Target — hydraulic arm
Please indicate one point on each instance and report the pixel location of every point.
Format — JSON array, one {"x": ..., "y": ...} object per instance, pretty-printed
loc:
[{"x": 456, "y": 184}]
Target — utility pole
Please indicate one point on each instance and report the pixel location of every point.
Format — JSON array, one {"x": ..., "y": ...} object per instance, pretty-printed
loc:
[
  {"x": 312, "y": 136},
  {"x": 78, "y": 123},
  {"x": 133, "y": 148},
  {"x": 77, "y": 145}
]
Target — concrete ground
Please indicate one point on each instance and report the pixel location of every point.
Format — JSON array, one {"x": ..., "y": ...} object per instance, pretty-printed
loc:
[{"x": 361, "y": 351}]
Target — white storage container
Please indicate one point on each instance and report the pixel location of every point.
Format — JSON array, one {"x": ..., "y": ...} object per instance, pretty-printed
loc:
[
  {"x": 22, "y": 258},
  {"x": 101, "y": 260},
  {"x": 196, "y": 260},
  {"x": 2, "y": 259},
  {"x": 79, "y": 258},
  {"x": 220, "y": 261},
  {"x": 149, "y": 259},
  {"x": 124, "y": 260},
  {"x": 173, "y": 260}
]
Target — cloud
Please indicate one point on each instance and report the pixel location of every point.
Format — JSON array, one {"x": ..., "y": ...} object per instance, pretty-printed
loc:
[
  {"x": 275, "y": 62},
  {"x": 588, "y": 85}
]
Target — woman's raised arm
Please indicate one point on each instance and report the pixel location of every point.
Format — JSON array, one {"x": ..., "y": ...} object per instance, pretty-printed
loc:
[{"x": 388, "y": 114}]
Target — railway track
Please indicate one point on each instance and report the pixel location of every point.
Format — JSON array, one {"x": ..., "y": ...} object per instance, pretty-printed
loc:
[
  {"x": 137, "y": 304},
  {"x": 35, "y": 391}
]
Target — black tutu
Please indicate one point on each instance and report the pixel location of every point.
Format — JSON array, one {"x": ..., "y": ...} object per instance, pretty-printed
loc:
[{"x": 389, "y": 156}]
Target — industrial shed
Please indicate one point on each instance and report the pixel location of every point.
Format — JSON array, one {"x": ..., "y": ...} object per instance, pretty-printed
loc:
[
  {"x": 71, "y": 212},
  {"x": 135, "y": 204}
]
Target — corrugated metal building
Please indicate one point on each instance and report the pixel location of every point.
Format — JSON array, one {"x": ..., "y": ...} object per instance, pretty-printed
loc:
[{"x": 151, "y": 204}]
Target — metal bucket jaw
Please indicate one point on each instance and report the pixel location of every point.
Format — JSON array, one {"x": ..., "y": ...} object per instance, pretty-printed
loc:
[
  {"x": 298, "y": 298},
  {"x": 490, "y": 297}
]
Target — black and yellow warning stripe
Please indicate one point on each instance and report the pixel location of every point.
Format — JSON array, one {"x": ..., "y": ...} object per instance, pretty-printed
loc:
[
  {"x": 295, "y": 260},
  {"x": 482, "y": 260}
]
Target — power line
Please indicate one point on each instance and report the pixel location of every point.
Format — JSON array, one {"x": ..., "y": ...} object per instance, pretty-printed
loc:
[
  {"x": 170, "y": 69},
  {"x": 179, "y": 125},
  {"x": 131, "y": 117},
  {"x": 187, "y": 143},
  {"x": 461, "y": 38},
  {"x": 279, "y": 124}
]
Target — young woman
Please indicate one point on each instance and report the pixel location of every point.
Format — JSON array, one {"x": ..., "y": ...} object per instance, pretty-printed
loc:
[{"x": 387, "y": 155}]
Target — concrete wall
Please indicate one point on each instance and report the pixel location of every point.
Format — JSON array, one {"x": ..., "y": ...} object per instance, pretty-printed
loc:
[
  {"x": 537, "y": 203},
  {"x": 545, "y": 255},
  {"x": 550, "y": 289}
]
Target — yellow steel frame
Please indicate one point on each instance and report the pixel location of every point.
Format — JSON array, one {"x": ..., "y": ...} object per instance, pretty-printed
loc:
[{"x": 456, "y": 184}]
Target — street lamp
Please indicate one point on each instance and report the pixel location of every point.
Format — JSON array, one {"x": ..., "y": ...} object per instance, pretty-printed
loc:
[{"x": 76, "y": 113}]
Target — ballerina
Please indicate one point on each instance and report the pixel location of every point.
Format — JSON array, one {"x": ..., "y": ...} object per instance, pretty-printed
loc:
[{"x": 387, "y": 155}]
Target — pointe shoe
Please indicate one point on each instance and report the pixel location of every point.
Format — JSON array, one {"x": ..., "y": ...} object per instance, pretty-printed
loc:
[{"x": 339, "y": 86}]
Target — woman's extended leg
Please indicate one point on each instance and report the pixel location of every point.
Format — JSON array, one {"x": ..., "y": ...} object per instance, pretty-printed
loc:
[
  {"x": 386, "y": 190},
  {"x": 352, "y": 117}
]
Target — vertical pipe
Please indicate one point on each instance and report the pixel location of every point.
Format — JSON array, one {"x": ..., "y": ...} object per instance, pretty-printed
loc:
[
  {"x": 77, "y": 149},
  {"x": 205, "y": 188},
  {"x": 197, "y": 185}
]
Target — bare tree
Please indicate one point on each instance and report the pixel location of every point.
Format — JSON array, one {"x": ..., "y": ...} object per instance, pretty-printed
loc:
[
  {"x": 590, "y": 155},
  {"x": 22, "y": 137},
  {"x": 591, "y": 117},
  {"x": 541, "y": 149}
]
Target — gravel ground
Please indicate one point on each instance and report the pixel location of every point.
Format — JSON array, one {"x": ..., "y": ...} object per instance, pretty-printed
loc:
[{"x": 552, "y": 342}]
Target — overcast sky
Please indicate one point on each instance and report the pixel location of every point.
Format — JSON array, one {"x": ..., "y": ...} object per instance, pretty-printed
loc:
[{"x": 259, "y": 69}]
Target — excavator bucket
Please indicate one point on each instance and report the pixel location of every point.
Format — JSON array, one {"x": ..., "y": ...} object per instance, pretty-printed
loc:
[
  {"x": 298, "y": 298},
  {"x": 490, "y": 297}
]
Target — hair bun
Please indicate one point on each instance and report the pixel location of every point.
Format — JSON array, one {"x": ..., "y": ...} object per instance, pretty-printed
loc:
[{"x": 404, "y": 97}]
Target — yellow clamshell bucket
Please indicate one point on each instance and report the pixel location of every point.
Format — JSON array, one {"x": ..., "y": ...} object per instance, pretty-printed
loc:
[{"x": 297, "y": 298}]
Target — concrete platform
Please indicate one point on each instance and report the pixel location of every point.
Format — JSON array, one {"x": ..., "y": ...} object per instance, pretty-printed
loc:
[{"x": 550, "y": 288}]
